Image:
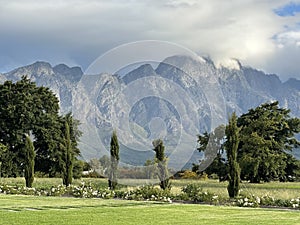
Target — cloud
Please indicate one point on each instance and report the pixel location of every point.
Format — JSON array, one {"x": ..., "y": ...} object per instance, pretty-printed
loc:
[{"x": 78, "y": 31}]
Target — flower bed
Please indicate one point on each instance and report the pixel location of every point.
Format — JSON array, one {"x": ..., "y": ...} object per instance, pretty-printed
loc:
[{"x": 189, "y": 193}]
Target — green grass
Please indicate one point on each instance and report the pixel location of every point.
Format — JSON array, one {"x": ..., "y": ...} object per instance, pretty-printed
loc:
[{"x": 54, "y": 210}]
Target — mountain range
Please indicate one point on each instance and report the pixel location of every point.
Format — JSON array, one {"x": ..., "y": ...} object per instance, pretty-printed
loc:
[{"x": 175, "y": 100}]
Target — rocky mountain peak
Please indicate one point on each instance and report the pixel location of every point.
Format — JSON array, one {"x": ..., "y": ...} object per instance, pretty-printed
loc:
[
  {"x": 142, "y": 71},
  {"x": 72, "y": 74},
  {"x": 292, "y": 83},
  {"x": 32, "y": 71}
]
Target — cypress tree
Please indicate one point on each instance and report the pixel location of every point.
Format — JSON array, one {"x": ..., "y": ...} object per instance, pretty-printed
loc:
[
  {"x": 114, "y": 161},
  {"x": 29, "y": 161},
  {"x": 68, "y": 157},
  {"x": 159, "y": 149},
  {"x": 231, "y": 147}
]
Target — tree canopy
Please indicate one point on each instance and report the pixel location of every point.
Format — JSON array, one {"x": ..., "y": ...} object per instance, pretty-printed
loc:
[
  {"x": 267, "y": 134},
  {"x": 29, "y": 110},
  {"x": 25, "y": 109}
]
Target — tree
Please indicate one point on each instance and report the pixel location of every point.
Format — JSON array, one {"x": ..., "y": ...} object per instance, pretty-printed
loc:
[
  {"x": 231, "y": 147},
  {"x": 149, "y": 169},
  {"x": 26, "y": 108},
  {"x": 212, "y": 145},
  {"x": 95, "y": 165},
  {"x": 29, "y": 161},
  {"x": 114, "y": 161},
  {"x": 3, "y": 150},
  {"x": 267, "y": 133},
  {"x": 68, "y": 147},
  {"x": 78, "y": 168},
  {"x": 161, "y": 160},
  {"x": 104, "y": 162}
]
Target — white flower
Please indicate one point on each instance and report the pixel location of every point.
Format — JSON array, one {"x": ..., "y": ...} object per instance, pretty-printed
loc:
[{"x": 258, "y": 200}]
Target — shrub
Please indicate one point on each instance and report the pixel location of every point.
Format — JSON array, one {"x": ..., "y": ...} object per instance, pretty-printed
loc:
[
  {"x": 188, "y": 174},
  {"x": 195, "y": 193}
]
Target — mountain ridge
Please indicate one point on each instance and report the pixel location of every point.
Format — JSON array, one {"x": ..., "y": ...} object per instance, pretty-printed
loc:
[{"x": 191, "y": 95}]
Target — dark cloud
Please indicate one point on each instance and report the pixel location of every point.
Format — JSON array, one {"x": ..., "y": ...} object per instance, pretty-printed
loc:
[{"x": 76, "y": 31}]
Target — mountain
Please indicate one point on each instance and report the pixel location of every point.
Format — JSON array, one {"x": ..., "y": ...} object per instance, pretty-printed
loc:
[
  {"x": 181, "y": 97},
  {"x": 61, "y": 79}
]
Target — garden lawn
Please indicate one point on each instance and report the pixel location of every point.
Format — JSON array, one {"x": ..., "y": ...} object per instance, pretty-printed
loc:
[{"x": 16, "y": 209}]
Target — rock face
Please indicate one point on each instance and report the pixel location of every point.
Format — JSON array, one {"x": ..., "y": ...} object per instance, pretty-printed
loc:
[
  {"x": 61, "y": 79},
  {"x": 175, "y": 101}
]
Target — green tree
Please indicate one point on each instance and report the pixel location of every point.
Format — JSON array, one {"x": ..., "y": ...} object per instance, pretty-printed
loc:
[
  {"x": 267, "y": 133},
  {"x": 29, "y": 161},
  {"x": 212, "y": 144},
  {"x": 161, "y": 160},
  {"x": 114, "y": 161},
  {"x": 68, "y": 147},
  {"x": 25, "y": 108},
  {"x": 78, "y": 169},
  {"x": 3, "y": 150},
  {"x": 231, "y": 147}
]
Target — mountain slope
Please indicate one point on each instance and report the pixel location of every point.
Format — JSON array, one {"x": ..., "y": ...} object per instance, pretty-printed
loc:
[{"x": 180, "y": 98}]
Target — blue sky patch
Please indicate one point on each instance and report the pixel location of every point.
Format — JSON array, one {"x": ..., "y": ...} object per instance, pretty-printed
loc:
[{"x": 288, "y": 10}]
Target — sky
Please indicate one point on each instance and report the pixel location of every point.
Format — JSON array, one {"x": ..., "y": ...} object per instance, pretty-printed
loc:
[{"x": 264, "y": 34}]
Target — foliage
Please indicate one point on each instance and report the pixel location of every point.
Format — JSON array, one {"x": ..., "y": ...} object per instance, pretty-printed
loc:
[
  {"x": 195, "y": 193},
  {"x": 104, "y": 162},
  {"x": 28, "y": 109},
  {"x": 3, "y": 152},
  {"x": 29, "y": 161},
  {"x": 67, "y": 156},
  {"x": 212, "y": 144},
  {"x": 188, "y": 174},
  {"x": 148, "y": 193},
  {"x": 231, "y": 147},
  {"x": 78, "y": 169},
  {"x": 267, "y": 133},
  {"x": 68, "y": 147},
  {"x": 25, "y": 108},
  {"x": 163, "y": 176},
  {"x": 114, "y": 159},
  {"x": 150, "y": 169},
  {"x": 190, "y": 192}
]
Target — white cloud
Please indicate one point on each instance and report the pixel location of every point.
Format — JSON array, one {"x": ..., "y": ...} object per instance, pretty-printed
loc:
[{"x": 79, "y": 30}]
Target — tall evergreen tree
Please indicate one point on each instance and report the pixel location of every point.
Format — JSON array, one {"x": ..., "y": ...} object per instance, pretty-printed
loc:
[
  {"x": 231, "y": 147},
  {"x": 68, "y": 157},
  {"x": 114, "y": 161},
  {"x": 29, "y": 161},
  {"x": 68, "y": 147},
  {"x": 161, "y": 160}
]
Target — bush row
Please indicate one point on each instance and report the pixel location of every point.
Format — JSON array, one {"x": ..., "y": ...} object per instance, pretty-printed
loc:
[{"x": 189, "y": 193}]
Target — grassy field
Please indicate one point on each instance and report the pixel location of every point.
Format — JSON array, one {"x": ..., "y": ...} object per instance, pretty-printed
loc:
[
  {"x": 279, "y": 190},
  {"x": 32, "y": 210}
]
